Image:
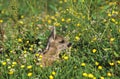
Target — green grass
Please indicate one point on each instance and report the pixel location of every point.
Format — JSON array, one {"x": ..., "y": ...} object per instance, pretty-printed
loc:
[{"x": 93, "y": 27}]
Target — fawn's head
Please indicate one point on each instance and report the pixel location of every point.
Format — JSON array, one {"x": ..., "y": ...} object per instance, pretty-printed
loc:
[{"x": 57, "y": 41}]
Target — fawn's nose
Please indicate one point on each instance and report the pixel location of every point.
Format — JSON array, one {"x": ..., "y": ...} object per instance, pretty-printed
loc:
[{"x": 69, "y": 44}]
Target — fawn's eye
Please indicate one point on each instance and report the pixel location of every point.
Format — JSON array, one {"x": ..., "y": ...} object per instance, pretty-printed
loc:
[{"x": 62, "y": 41}]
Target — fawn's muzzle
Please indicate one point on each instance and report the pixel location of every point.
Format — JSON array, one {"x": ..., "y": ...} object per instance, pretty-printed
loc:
[{"x": 69, "y": 44}]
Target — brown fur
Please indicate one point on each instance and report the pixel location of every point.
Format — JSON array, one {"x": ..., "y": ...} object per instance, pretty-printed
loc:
[{"x": 55, "y": 45}]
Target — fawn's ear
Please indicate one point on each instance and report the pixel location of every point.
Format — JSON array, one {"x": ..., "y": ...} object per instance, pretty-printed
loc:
[
  {"x": 53, "y": 33},
  {"x": 52, "y": 37}
]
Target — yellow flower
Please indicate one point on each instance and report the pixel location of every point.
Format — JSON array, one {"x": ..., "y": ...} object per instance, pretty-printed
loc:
[
  {"x": 75, "y": 67},
  {"x": 112, "y": 3},
  {"x": 41, "y": 65},
  {"x": 7, "y": 59},
  {"x": 52, "y": 17},
  {"x": 94, "y": 39},
  {"x": 118, "y": 61},
  {"x": 94, "y": 50},
  {"x": 30, "y": 48},
  {"x": 31, "y": 45},
  {"x": 96, "y": 63},
  {"x": 74, "y": 0},
  {"x": 112, "y": 39},
  {"x": 77, "y": 38},
  {"x": 102, "y": 78},
  {"x": 109, "y": 15},
  {"x": 111, "y": 64},
  {"x": 90, "y": 75},
  {"x": 60, "y": 1},
  {"x": 14, "y": 63},
  {"x": 78, "y": 24},
  {"x": 94, "y": 77},
  {"x": 19, "y": 40},
  {"x": 116, "y": 22},
  {"x": 114, "y": 12},
  {"x": 27, "y": 42},
  {"x": 10, "y": 72},
  {"x": 22, "y": 16},
  {"x": 21, "y": 22},
  {"x": 56, "y": 24},
  {"x": 99, "y": 67},
  {"x": 82, "y": 0},
  {"x": 11, "y": 51},
  {"x": 65, "y": 0},
  {"x": 29, "y": 67},
  {"x": 109, "y": 74},
  {"x": 85, "y": 74},
  {"x": 53, "y": 73},
  {"x": 62, "y": 19},
  {"x": 68, "y": 20},
  {"x": 24, "y": 51},
  {"x": 9, "y": 67},
  {"x": 65, "y": 57},
  {"x": 29, "y": 74},
  {"x": 22, "y": 66},
  {"x": 83, "y": 17},
  {"x": 37, "y": 54},
  {"x": 83, "y": 64},
  {"x": 1, "y": 21},
  {"x": 49, "y": 21},
  {"x": 40, "y": 56},
  {"x": 51, "y": 77},
  {"x": 113, "y": 20},
  {"x": 4, "y": 63}
]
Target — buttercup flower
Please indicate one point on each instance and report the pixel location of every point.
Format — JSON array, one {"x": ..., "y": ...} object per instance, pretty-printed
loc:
[
  {"x": 19, "y": 40},
  {"x": 29, "y": 74},
  {"x": 22, "y": 66},
  {"x": 96, "y": 63},
  {"x": 49, "y": 21},
  {"x": 29, "y": 67},
  {"x": 94, "y": 50},
  {"x": 62, "y": 19},
  {"x": 65, "y": 57},
  {"x": 14, "y": 63},
  {"x": 78, "y": 24},
  {"x": 30, "y": 48},
  {"x": 77, "y": 38},
  {"x": 1, "y": 21},
  {"x": 22, "y": 16},
  {"x": 109, "y": 74},
  {"x": 51, "y": 77},
  {"x": 85, "y": 74},
  {"x": 111, "y": 63},
  {"x": 53, "y": 73},
  {"x": 112, "y": 39},
  {"x": 118, "y": 61},
  {"x": 90, "y": 75},
  {"x": 83, "y": 64},
  {"x": 102, "y": 78},
  {"x": 11, "y": 71},
  {"x": 21, "y": 22},
  {"x": 99, "y": 67},
  {"x": 4, "y": 63}
]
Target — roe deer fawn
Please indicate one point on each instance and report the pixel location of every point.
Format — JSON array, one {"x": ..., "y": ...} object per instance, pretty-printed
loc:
[{"x": 55, "y": 45}]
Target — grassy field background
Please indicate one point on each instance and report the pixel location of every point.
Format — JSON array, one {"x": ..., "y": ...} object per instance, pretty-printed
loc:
[{"x": 92, "y": 26}]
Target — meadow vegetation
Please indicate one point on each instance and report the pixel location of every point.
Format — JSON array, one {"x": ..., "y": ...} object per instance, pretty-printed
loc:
[{"x": 92, "y": 26}]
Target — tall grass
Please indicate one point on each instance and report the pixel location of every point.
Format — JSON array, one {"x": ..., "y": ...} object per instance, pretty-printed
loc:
[{"x": 92, "y": 26}]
